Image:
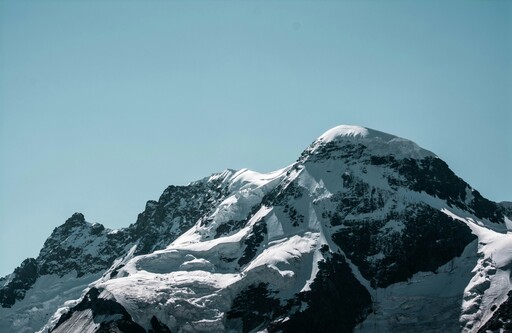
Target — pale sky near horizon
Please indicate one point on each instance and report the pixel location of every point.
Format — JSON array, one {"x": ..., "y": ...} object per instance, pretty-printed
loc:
[{"x": 103, "y": 104}]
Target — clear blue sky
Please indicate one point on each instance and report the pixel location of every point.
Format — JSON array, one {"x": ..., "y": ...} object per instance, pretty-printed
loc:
[{"x": 105, "y": 103}]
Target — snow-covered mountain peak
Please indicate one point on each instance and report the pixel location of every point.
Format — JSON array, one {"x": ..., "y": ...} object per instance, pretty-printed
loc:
[
  {"x": 365, "y": 232},
  {"x": 342, "y": 131},
  {"x": 75, "y": 220},
  {"x": 374, "y": 142}
]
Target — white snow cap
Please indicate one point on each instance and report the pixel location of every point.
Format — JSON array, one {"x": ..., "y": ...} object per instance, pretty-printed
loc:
[
  {"x": 347, "y": 131},
  {"x": 344, "y": 131},
  {"x": 379, "y": 142}
]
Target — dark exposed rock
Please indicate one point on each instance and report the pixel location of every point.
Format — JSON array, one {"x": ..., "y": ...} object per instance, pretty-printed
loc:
[
  {"x": 178, "y": 209},
  {"x": 424, "y": 240},
  {"x": 282, "y": 194},
  {"x": 79, "y": 246},
  {"x": 76, "y": 220},
  {"x": 158, "y": 327},
  {"x": 252, "y": 242},
  {"x": 23, "y": 278},
  {"x": 254, "y": 306},
  {"x": 433, "y": 176},
  {"x": 337, "y": 302},
  {"x": 231, "y": 226},
  {"x": 501, "y": 320},
  {"x": 333, "y": 151}
]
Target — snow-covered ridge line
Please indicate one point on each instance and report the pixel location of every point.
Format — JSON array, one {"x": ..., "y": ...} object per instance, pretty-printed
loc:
[
  {"x": 379, "y": 142},
  {"x": 366, "y": 231},
  {"x": 344, "y": 131}
]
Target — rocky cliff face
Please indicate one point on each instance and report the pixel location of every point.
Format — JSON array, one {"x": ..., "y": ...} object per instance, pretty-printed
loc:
[{"x": 364, "y": 232}]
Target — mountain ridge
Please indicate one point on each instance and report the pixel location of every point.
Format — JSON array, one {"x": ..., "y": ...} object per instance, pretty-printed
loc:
[{"x": 359, "y": 208}]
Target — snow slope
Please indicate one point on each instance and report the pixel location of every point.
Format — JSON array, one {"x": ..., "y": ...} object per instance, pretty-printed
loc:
[
  {"x": 42, "y": 300},
  {"x": 364, "y": 232}
]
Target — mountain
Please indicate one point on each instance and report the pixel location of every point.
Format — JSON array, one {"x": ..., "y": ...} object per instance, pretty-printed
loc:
[{"x": 365, "y": 232}]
